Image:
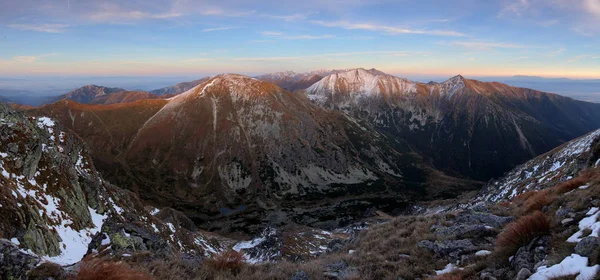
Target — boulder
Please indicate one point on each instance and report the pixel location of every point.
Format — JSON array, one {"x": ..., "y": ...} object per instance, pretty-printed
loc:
[{"x": 587, "y": 246}]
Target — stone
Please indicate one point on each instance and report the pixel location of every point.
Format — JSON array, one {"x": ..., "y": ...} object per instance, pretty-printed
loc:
[
  {"x": 300, "y": 275},
  {"x": 452, "y": 248},
  {"x": 523, "y": 274},
  {"x": 464, "y": 231},
  {"x": 487, "y": 276},
  {"x": 14, "y": 263},
  {"x": 587, "y": 246},
  {"x": 567, "y": 222},
  {"x": 340, "y": 271},
  {"x": 563, "y": 212},
  {"x": 482, "y": 219}
]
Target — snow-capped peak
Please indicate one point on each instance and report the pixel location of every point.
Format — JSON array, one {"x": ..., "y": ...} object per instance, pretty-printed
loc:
[{"x": 356, "y": 85}]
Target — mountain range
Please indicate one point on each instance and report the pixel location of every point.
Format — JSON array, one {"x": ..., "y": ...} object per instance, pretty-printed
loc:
[
  {"x": 235, "y": 147},
  {"x": 312, "y": 176}
]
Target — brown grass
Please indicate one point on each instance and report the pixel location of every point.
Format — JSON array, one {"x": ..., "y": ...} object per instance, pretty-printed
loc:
[
  {"x": 227, "y": 260},
  {"x": 521, "y": 231},
  {"x": 538, "y": 200},
  {"x": 576, "y": 182},
  {"x": 101, "y": 270},
  {"x": 47, "y": 270}
]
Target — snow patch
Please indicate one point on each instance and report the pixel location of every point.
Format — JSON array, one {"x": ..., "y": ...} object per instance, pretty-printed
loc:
[
  {"x": 589, "y": 223},
  {"x": 571, "y": 265}
]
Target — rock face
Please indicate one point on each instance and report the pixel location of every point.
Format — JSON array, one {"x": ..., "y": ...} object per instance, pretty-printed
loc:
[
  {"x": 55, "y": 205},
  {"x": 467, "y": 127},
  {"x": 14, "y": 263},
  {"x": 236, "y": 147}
]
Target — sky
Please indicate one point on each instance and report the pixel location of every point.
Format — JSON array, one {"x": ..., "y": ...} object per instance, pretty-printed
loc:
[{"x": 549, "y": 38}]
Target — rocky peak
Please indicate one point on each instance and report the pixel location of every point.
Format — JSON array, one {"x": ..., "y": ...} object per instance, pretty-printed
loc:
[{"x": 452, "y": 86}]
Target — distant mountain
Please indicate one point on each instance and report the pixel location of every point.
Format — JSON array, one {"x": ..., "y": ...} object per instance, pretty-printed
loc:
[
  {"x": 236, "y": 144},
  {"x": 87, "y": 94},
  {"x": 292, "y": 81},
  {"x": 179, "y": 88},
  {"x": 466, "y": 127},
  {"x": 123, "y": 97}
]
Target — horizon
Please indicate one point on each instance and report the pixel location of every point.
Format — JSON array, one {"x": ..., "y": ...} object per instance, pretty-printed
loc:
[{"x": 181, "y": 38}]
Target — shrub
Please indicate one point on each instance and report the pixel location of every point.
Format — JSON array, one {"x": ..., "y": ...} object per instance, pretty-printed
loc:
[
  {"x": 227, "y": 260},
  {"x": 101, "y": 270},
  {"x": 574, "y": 183},
  {"x": 521, "y": 231},
  {"x": 538, "y": 200}
]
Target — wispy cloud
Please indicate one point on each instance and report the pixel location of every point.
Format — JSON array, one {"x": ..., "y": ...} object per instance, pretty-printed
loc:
[
  {"x": 112, "y": 13},
  {"x": 584, "y": 56},
  {"x": 386, "y": 29},
  {"x": 47, "y": 28},
  {"x": 514, "y": 7},
  {"x": 25, "y": 59},
  {"x": 328, "y": 55},
  {"x": 219, "y": 29},
  {"x": 291, "y": 17},
  {"x": 275, "y": 34},
  {"x": 199, "y": 59},
  {"x": 482, "y": 45},
  {"x": 556, "y": 52}
]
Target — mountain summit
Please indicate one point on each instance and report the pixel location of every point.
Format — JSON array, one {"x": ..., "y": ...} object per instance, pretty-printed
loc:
[{"x": 467, "y": 127}]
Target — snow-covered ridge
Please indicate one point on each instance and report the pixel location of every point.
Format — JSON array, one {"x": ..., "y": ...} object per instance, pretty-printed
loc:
[
  {"x": 558, "y": 164},
  {"x": 351, "y": 87}
]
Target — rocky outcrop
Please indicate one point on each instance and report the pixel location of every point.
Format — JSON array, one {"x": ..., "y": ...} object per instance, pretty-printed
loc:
[
  {"x": 15, "y": 263},
  {"x": 56, "y": 206}
]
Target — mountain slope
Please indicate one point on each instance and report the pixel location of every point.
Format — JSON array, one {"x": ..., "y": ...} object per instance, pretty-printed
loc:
[
  {"x": 235, "y": 147},
  {"x": 56, "y": 207},
  {"x": 466, "y": 127},
  {"x": 122, "y": 97},
  {"x": 179, "y": 88},
  {"x": 292, "y": 81},
  {"x": 560, "y": 164},
  {"x": 88, "y": 93}
]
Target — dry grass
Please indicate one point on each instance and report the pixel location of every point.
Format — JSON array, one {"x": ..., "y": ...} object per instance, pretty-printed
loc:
[
  {"x": 47, "y": 270},
  {"x": 228, "y": 260},
  {"x": 101, "y": 270},
  {"x": 521, "y": 231},
  {"x": 538, "y": 200},
  {"x": 567, "y": 186}
]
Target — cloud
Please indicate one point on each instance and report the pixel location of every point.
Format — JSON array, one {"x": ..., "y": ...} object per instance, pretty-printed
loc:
[
  {"x": 329, "y": 55},
  {"x": 219, "y": 29},
  {"x": 592, "y": 7},
  {"x": 584, "y": 56},
  {"x": 386, "y": 29},
  {"x": 281, "y": 35},
  {"x": 200, "y": 59},
  {"x": 556, "y": 52},
  {"x": 25, "y": 59},
  {"x": 113, "y": 13},
  {"x": 47, "y": 28},
  {"x": 291, "y": 17},
  {"x": 518, "y": 8},
  {"x": 271, "y": 33},
  {"x": 482, "y": 45}
]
